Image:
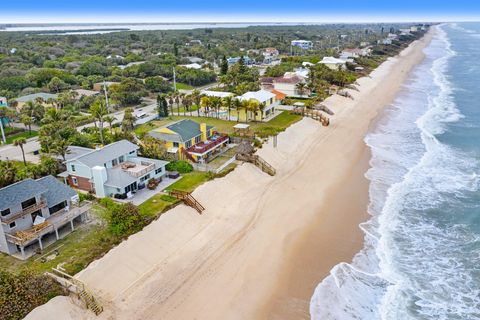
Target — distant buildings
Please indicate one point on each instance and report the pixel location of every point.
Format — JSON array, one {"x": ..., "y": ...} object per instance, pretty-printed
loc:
[
  {"x": 35, "y": 97},
  {"x": 246, "y": 60},
  {"x": 333, "y": 63},
  {"x": 192, "y": 66},
  {"x": 354, "y": 53},
  {"x": 303, "y": 44},
  {"x": 269, "y": 55}
]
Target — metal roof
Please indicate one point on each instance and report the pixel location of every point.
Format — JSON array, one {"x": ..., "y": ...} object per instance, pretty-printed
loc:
[
  {"x": 32, "y": 97},
  {"x": 185, "y": 130}
]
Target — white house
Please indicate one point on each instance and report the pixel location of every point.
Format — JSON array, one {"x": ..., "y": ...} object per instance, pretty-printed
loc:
[
  {"x": 191, "y": 66},
  {"x": 218, "y": 94},
  {"x": 288, "y": 84},
  {"x": 266, "y": 98},
  {"x": 304, "y": 44},
  {"x": 115, "y": 169},
  {"x": 333, "y": 63},
  {"x": 354, "y": 53}
]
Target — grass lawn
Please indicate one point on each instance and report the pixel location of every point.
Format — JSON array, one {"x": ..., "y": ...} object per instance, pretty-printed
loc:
[
  {"x": 190, "y": 181},
  {"x": 157, "y": 204},
  {"x": 272, "y": 127},
  {"x": 24, "y": 134},
  {"x": 87, "y": 243},
  {"x": 184, "y": 86}
]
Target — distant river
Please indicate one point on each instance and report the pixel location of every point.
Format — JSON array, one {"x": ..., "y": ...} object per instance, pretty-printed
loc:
[{"x": 107, "y": 28}]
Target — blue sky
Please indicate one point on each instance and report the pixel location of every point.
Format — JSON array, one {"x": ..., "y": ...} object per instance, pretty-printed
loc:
[{"x": 31, "y": 11}]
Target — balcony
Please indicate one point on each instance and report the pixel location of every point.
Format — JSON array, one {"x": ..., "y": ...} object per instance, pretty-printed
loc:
[
  {"x": 54, "y": 222},
  {"x": 137, "y": 169},
  {"x": 210, "y": 144},
  {"x": 28, "y": 210}
]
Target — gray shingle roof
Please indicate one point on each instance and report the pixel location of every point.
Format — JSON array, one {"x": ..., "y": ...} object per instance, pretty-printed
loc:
[
  {"x": 18, "y": 192},
  {"x": 106, "y": 154},
  {"x": 186, "y": 130},
  {"x": 53, "y": 190},
  {"x": 56, "y": 191}
]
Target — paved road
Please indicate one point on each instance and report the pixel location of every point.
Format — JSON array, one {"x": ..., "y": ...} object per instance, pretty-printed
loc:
[{"x": 10, "y": 152}]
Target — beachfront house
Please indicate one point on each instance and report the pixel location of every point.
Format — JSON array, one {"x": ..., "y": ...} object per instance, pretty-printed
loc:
[
  {"x": 36, "y": 213},
  {"x": 354, "y": 53},
  {"x": 265, "y": 98},
  {"x": 114, "y": 170},
  {"x": 288, "y": 84},
  {"x": 187, "y": 139},
  {"x": 333, "y": 63}
]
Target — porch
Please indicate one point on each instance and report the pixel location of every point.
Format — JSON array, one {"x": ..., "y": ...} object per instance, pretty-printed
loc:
[
  {"x": 202, "y": 150},
  {"x": 54, "y": 228}
]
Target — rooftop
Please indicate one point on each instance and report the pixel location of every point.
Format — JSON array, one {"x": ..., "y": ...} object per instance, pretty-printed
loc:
[
  {"x": 185, "y": 130},
  {"x": 219, "y": 94},
  {"x": 53, "y": 190},
  {"x": 107, "y": 153},
  {"x": 261, "y": 96},
  {"x": 34, "y": 96}
]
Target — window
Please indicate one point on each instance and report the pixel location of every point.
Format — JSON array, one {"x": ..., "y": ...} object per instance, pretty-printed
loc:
[
  {"x": 121, "y": 159},
  {"x": 28, "y": 203},
  {"x": 74, "y": 181},
  {"x": 175, "y": 144},
  {"x": 159, "y": 170},
  {"x": 57, "y": 207},
  {"x": 12, "y": 225},
  {"x": 114, "y": 162},
  {"x": 132, "y": 152},
  {"x": 5, "y": 212},
  {"x": 198, "y": 139},
  {"x": 145, "y": 178},
  {"x": 73, "y": 168},
  {"x": 188, "y": 144}
]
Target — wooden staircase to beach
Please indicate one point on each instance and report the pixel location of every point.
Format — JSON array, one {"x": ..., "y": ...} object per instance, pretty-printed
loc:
[
  {"x": 78, "y": 288},
  {"x": 188, "y": 199},
  {"x": 258, "y": 162}
]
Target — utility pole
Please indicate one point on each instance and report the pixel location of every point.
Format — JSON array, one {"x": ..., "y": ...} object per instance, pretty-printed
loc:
[
  {"x": 174, "y": 80},
  {"x": 106, "y": 96},
  {"x": 3, "y": 133}
]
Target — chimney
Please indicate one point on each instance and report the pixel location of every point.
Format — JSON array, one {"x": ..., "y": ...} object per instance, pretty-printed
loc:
[{"x": 203, "y": 129}]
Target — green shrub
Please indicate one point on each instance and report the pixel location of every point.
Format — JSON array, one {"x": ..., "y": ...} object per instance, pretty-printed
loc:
[
  {"x": 180, "y": 166},
  {"x": 168, "y": 198},
  {"x": 86, "y": 196},
  {"x": 125, "y": 219},
  {"x": 21, "y": 293},
  {"x": 108, "y": 203}
]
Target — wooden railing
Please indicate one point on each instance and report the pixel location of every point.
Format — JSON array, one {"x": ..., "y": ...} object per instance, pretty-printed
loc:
[
  {"x": 203, "y": 147},
  {"x": 77, "y": 287},
  {"x": 53, "y": 222},
  {"x": 257, "y": 161},
  {"x": 188, "y": 199},
  {"x": 28, "y": 210}
]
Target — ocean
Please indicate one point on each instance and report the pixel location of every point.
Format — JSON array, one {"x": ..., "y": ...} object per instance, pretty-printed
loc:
[{"x": 421, "y": 258}]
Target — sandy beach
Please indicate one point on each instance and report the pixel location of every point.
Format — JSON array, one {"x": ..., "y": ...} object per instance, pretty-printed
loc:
[{"x": 263, "y": 243}]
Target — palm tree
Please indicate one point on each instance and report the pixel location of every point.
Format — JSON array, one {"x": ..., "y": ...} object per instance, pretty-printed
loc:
[
  {"x": 187, "y": 102},
  {"x": 7, "y": 173},
  {"x": 19, "y": 142},
  {"x": 128, "y": 122},
  {"x": 205, "y": 102},
  {"x": 27, "y": 122},
  {"x": 109, "y": 120},
  {"x": 99, "y": 111},
  {"x": 60, "y": 147},
  {"x": 301, "y": 88},
  {"x": 170, "y": 102},
  {"x": 237, "y": 104},
  {"x": 228, "y": 103},
  {"x": 196, "y": 98}
]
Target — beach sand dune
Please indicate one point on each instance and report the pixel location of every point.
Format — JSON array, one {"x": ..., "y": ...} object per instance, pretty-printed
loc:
[{"x": 263, "y": 243}]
